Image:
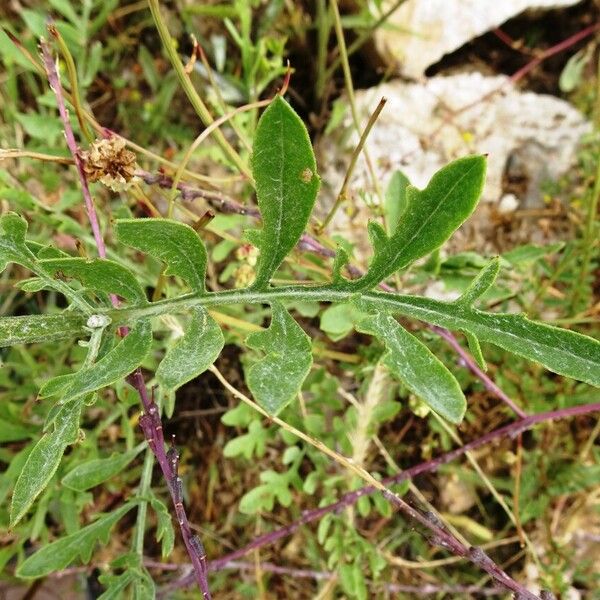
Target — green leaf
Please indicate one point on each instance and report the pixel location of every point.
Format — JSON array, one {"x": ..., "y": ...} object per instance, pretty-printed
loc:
[
  {"x": 100, "y": 275},
  {"x": 60, "y": 554},
  {"x": 12, "y": 242},
  {"x": 174, "y": 243},
  {"x": 277, "y": 377},
  {"x": 115, "y": 585},
  {"x": 164, "y": 526},
  {"x": 475, "y": 349},
  {"x": 285, "y": 171},
  {"x": 395, "y": 200},
  {"x": 481, "y": 284},
  {"x": 39, "y": 328},
  {"x": 559, "y": 350},
  {"x": 193, "y": 353},
  {"x": 417, "y": 367},
  {"x": 430, "y": 218},
  {"x": 337, "y": 320},
  {"x": 94, "y": 472},
  {"x": 13, "y": 248},
  {"x": 43, "y": 461},
  {"x": 40, "y": 127},
  {"x": 123, "y": 359}
]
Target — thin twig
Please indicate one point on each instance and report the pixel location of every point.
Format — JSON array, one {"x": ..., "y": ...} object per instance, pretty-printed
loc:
[
  {"x": 54, "y": 82},
  {"x": 343, "y": 193}
]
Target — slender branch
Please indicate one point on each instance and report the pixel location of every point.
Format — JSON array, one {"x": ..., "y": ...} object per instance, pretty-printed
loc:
[
  {"x": 511, "y": 430},
  {"x": 343, "y": 193},
  {"x": 54, "y": 82},
  {"x": 424, "y": 589},
  {"x": 151, "y": 425}
]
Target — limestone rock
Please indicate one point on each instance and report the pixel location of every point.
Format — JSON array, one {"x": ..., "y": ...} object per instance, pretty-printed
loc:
[{"x": 420, "y": 32}]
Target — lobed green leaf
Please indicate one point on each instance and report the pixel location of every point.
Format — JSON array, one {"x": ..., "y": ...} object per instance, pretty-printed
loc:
[
  {"x": 100, "y": 275},
  {"x": 193, "y": 353},
  {"x": 12, "y": 242},
  {"x": 60, "y": 554},
  {"x": 559, "y": 350},
  {"x": 417, "y": 367},
  {"x": 174, "y": 243},
  {"x": 430, "y": 218},
  {"x": 40, "y": 328},
  {"x": 94, "y": 472},
  {"x": 43, "y": 461},
  {"x": 276, "y": 379},
  {"x": 123, "y": 359},
  {"x": 285, "y": 171}
]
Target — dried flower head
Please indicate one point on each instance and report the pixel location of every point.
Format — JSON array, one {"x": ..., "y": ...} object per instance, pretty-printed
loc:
[{"x": 109, "y": 162}]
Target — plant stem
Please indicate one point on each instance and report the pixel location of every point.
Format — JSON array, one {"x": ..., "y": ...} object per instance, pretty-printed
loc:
[
  {"x": 54, "y": 82},
  {"x": 140, "y": 525},
  {"x": 152, "y": 416},
  {"x": 153, "y": 432}
]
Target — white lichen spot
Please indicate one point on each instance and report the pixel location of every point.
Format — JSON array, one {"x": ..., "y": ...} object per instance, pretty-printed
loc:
[
  {"x": 98, "y": 321},
  {"x": 306, "y": 175}
]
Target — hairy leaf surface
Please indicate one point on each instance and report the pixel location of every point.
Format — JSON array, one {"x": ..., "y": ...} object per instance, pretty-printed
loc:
[
  {"x": 60, "y": 554},
  {"x": 124, "y": 358},
  {"x": 193, "y": 353},
  {"x": 13, "y": 248},
  {"x": 100, "y": 275},
  {"x": 44, "y": 460},
  {"x": 12, "y": 242},
  {"x": 94, "y": 472},
  {"x": 417, "y": 367},
  {"x": 40, "y": 328},
  {"x": 481, "y": 284},
  {"x": 285, "y": 171},
  {"x": 174, "y": 243},
  {"x": 277, "y": 377},
  {"x": 430, "y": 218},
  {"x": 559, "y": 350}
]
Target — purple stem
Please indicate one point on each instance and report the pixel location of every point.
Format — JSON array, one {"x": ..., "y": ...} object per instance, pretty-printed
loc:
[
  {"x": 425, "y": 589},
  {"x": 153, "y": 431},
  {"x": 150, "y": 422},
  {"x": 510, "y": 430},
  {"x": 56, "y": 87}
]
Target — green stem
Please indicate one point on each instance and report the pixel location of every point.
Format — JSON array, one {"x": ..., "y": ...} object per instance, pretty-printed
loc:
[
  {"x": 190, "y": 91},
  {"x": 144, "y": 488}
]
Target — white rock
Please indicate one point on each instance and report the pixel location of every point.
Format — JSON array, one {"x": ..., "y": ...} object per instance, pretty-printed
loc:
[
  {"x": 508, "y": 203},
  {"x": 424, "y": 126},
  {"x": 420, "y": 32}
]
